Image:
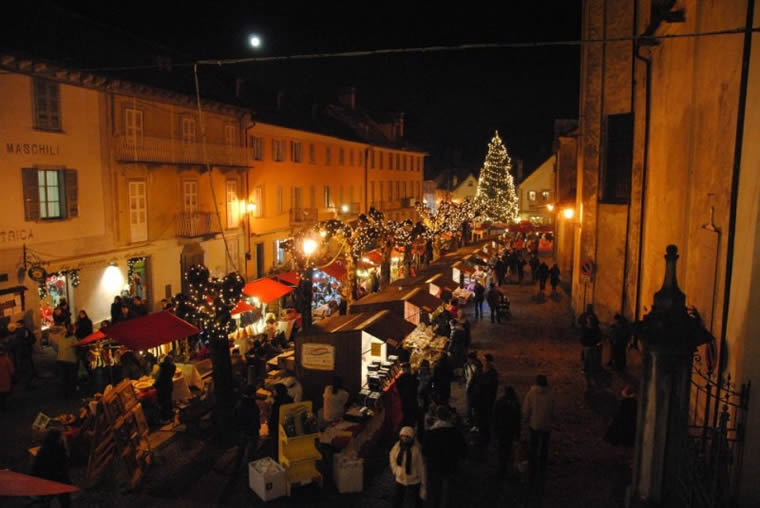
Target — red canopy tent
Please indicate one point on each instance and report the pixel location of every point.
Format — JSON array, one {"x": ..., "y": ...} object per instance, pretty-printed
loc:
[
  {"x": 266, "y": 290},
  {"x": 291, "y": 278},
  {"x": 242, "y": 306},
  {"x": 93, "y": 337},
  {"x": 150, "y": 331},
  {"x": 375, "y": 256},
  {"x": 14, "y": 484},
  {"x": 335, "y": 269}
]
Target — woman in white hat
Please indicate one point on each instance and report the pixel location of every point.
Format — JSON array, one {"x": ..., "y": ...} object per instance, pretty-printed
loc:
[{"x": 408, "y": 468}]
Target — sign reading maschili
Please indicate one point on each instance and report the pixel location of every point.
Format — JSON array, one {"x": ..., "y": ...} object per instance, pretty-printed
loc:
[{"x": 32, "y": 149}]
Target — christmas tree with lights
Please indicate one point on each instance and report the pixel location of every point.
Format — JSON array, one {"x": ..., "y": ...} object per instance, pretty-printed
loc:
[{"x": 496, "y": 187}]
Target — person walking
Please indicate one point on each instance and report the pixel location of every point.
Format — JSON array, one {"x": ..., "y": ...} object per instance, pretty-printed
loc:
[
  {"x": 534, "y": 262},
  {"x": 507, "y": 421},
  {"x": 442, "y": 375},
  {"x": 621, "y": 335},
  {"x": 6, "y": 377},
  {"x": 538, "y": 415},
  {"x": 622, "y": 428},
  {"x": 52, "y": 463},
  {"x": 543, "y": 274},
  {"x": 22, "y": 348},
  {"x": 82, "y": 330},
  {"x": 488, "y": 386},
  {"x": 407, "y": 385},
  {"x": 501, "y": 269},
  {"x": 493, "y": 303},
  {"x": 472, "y": 371},
  {"x": 590, "y": 338},
  {"x": 520, "y": 265},
  {"x": 408, "y": 468},
  {"x": 480, "y": 293},
  {"x": 554, "y": 277},
  {"x": 248, "y": 418},
  {"x": 443, "y": 448}
]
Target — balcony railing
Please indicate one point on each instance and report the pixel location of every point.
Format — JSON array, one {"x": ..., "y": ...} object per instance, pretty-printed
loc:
[
  {"x": 303, "y": 215},
  {"x": 193, "y": 224},
  {"x": 175, "y": 151}
]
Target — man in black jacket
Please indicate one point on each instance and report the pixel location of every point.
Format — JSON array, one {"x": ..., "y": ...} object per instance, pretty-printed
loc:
[
  {"x": 443, "y": 448},
  {"x": 493, "y": 298}
]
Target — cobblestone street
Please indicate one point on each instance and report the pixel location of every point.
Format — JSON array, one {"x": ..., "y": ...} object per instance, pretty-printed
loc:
[{"x": 584, "y": 471}]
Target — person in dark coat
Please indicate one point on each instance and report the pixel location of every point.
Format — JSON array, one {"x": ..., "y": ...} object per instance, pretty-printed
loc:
[
  {"x": 22, "y": 347},
  {"x": 507, "y": 420},
  {"x": 543, "y": 274},
  {"x": 501, "y": 270},
  {"x": 621, "y": 334},
  {"x": 62, "y": 318},
  {"x": 280, "y": 397},
  {"x": 480, "y": 295},
  {"x": 554, "y": 277},
  {"x": 488, "y": 386},
  {"x": 52, "y": 463},
  {"x": 248, "y": 418},
  {"x": 591, "y": 335},
  {"x": 622, "y": 428},
  {"x": 493, "y": 303},
  {"x": 534, "y": 267},
  {"x": 443, "y": 448},
  {"x": 520, "y": 265},
  {"x": 165, "y": 386},
  {"x": 116, "y": 309},
  {"x": 442, "y": 375},
  {"x": 83, "y": 329},
  {"x": 407, "y": 385},
  {"x": 138, "y": 307},
  {"x": 126, "y": 313}
]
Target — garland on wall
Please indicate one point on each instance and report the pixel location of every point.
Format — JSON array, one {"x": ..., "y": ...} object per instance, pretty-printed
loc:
[
  {"x": 72, "y": 275},
  {"x": 131, "y": 262}
]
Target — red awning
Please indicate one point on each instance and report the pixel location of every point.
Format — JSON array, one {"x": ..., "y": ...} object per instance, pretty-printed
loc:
[
  {"x": 418, "y": 249},
  {"x": 150, "y": 331},
  {"x": 242, "y": 306},
  {"x": 375, "y": 256},
  {"x": 335, "y": 269},
  {"x": 291, "y": 278},
  {"x": 266, "y": 290},
  {"x": 14, "y": 484},
  {"x": 93, "y": 337}
]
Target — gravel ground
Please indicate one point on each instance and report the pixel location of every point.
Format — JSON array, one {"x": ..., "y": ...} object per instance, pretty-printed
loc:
[{"x": 584, "y": 471}]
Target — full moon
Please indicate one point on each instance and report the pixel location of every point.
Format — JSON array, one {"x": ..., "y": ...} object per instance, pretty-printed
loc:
[{"x": 255, "y": 41}]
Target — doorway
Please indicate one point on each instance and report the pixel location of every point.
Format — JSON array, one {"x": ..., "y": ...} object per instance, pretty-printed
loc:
[
  {"x": 137, "y": 272},
  {"x": 56, "y": 288},
  {"x": 259, "y": 260}
]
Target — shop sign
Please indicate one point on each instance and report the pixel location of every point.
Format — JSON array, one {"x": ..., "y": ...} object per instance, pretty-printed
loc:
[
  {"x": 16, "y": 235},
  {"x": 31, "y": 149},
  {"x": 318, "y": 356}
]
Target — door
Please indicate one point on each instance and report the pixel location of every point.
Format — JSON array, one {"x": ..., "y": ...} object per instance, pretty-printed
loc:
[
  {"x": 259, "y": 260},
  {"x": 138, "y": 212},
  {"x": 298, "y": 204},
  {"x": 190, "y": 196},
  {"x": 233, "y": 205}
]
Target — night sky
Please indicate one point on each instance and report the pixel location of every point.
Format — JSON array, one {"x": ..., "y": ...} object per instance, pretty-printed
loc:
[{"x": 453, "y": 100}]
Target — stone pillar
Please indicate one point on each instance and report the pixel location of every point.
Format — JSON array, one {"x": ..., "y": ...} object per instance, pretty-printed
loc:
[{"x": 670, "y": 334}]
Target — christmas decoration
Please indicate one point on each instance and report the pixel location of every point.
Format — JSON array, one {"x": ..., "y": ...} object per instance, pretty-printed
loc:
[
  {"x": 496, "y": 188},
  {"x": 74, "y": 277},
  {"x": 131, "y": 262}
]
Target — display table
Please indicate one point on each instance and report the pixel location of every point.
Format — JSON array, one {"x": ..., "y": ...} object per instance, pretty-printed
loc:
[{"x": 192, "y": 375}]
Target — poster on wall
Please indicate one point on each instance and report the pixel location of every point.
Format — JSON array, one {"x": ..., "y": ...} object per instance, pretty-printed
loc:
[{"x": 318, "y": 356}]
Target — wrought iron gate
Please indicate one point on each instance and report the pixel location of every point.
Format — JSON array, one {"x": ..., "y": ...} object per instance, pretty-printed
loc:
[{"x": 711, "y": 462}]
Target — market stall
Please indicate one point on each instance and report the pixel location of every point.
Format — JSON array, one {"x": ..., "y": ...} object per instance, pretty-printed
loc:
[
  {"x": 440, "y": 284},
  {"x": 413, "y": 304}
]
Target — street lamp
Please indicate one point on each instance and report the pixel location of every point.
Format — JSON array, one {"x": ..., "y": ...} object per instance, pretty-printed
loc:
[
  {"x": 344, "y": 208},
  {"x": 251, "y": 208},
  {"x": 550, "y": 207},
  {"x": 568, "y": 213},
  {"x": 309, "y": 246}
]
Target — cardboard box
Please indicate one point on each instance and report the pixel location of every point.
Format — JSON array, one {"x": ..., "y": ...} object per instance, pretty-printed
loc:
[
  {"x": 267, "y": 479},
  {"x": 348, "y": 473}
]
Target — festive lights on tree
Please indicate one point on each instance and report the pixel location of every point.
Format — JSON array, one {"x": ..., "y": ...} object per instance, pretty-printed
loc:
[{"x": 496, "y": 187}]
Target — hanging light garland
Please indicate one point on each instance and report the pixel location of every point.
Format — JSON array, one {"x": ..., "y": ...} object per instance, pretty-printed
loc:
[
  {"x": 131, "y": 262},
  {"x": 74, "y": 277}
]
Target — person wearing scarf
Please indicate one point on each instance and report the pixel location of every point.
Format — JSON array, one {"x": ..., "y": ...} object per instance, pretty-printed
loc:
[{"x": 408, "y": 468}]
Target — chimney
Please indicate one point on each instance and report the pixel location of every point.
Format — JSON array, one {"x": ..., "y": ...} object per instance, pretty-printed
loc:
[
  {"x": 281, "y": 100},
  {"x": 398, "y": 124},
  {"x": 347, "y": 97}
]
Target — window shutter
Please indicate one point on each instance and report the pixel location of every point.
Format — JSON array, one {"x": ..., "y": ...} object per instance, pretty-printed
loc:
[
  {"x": 29, "y": 180},
  {"x": 71, "y": 192}
]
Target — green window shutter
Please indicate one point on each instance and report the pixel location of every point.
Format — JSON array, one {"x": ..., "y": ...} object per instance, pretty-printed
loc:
[
  {"x": 31, "y": 194},
  {"x": 71, "y": 192}
]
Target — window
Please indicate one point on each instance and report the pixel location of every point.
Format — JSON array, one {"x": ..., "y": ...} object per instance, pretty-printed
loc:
[
  {"x": 258, "y": 200},
  {"x": 390, "y": 161},
  {"x": 380, "y": 188},
  {"x": 341, "y": 156},
  {"x": 296, "y": 151},
  {"x": 405, "y": 195},
  {"x": 47, "y": 105},
  {"x": 398, "y": 161},
  {"x": 279, "y": 252},
  {"x": 277, "y": 150},
  {"x": 616, "y": 173},
  {"x": 312, "y": 197},
  {"x": 233, "y": 204},
  {"x": 133, "y": 120},
  {"x": 398, "y": 190},
  {"x": 328, "y": 156},
  {"x": 372, "y": 160},
  {"x": 230, "y": 134},
  {"x": 280, "y": 200},
  {"x": 341, "y": 195},
  {"x": 531, "y": 195},
  {"x": 360, "y": 156},
  {"x": 257, "y": 148},
  {"x": 188, "y": 131},
  {"x": 49, "y": 193},
  {"x": 327, "y": 200},
  {"x": 372, "y": 192},
  {"x": 350, "y": 193},
  {"x": 380, "y": 156},
  {"x": 312, "y": 154},
  {"x": 390, "y": 190},
  {"x": 545, "y": 196},
  {"x": 351, "y": 157},
  {"x": 190, "y": 196},
  {"x": 138, "y": 211}
]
